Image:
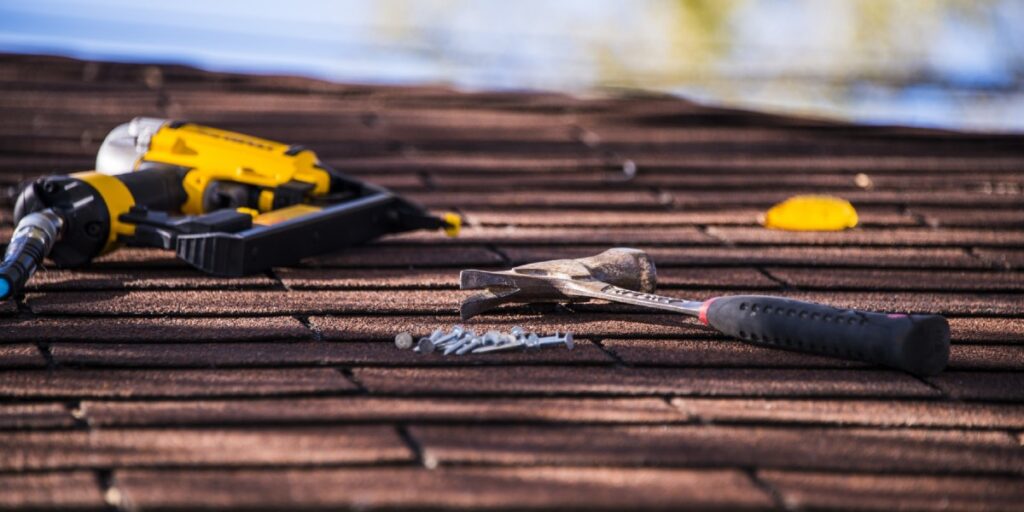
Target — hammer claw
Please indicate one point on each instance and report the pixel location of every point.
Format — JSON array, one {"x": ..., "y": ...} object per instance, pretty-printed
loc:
[
  {"x": 479, "y": 279},
  {"x": 483, "y": 301},
  {"x": 557, "y": 280}
]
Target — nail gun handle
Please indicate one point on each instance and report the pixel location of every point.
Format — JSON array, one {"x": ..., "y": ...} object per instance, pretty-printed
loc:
[{"x": 918, "y": 344}]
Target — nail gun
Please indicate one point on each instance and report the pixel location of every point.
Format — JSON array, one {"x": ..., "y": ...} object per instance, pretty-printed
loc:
[{"x": 227, "y": 203}]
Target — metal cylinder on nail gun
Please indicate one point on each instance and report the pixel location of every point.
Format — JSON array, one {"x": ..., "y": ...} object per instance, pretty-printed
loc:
[{"x": 30, "y": 244}]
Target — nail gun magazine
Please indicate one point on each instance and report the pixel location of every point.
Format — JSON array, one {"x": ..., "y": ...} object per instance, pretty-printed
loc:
[{"x": 226, "y": 203}]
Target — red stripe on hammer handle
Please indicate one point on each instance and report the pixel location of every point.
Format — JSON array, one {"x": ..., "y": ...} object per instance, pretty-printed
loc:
[{"x": 704, "y": 310}]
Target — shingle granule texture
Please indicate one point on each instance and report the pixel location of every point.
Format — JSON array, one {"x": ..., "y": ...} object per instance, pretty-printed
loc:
[{"x": 138, "y": 383}]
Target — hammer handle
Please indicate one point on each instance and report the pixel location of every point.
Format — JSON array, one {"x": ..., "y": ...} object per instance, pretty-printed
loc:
[{"x": 918, "y": 344}]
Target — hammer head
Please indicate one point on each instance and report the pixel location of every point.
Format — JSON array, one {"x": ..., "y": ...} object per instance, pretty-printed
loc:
[{"x": 551, "y": 281}]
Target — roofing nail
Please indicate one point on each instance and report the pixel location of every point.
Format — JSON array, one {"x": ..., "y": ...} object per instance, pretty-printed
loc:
[
  {"x": 455, "y": 333},
  {"x": 455, "y": 340},
  {"x": 531, "y": 340},
  {"x": 403, "y": 340},
  {"x": 490, "y": 339},
  {"x": 518, "y": 332},
  {"x": 566, "y": 340},
  {"x": 474, "y": 343},
  {"x": 459, "y": 343},
  {"x": 498, "y": 348},
  {"x": 425, "y": 346}
]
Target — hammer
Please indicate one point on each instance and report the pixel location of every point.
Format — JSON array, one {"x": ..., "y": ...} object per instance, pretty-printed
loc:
[{"x": 918, "y": 344}]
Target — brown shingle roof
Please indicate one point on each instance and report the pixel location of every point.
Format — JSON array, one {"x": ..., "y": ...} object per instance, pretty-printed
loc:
[{"x": 139, "y": 383}]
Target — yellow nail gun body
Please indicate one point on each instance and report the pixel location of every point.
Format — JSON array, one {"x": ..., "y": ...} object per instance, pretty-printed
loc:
[
  {"x": 214, "y": 158},
  {"x": 229, "y": 204}
]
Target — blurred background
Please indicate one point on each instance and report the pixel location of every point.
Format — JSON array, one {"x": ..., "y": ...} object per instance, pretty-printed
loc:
[{"x": 939, "y": 63}]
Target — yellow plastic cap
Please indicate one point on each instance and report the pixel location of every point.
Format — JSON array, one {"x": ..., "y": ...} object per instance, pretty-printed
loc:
[
  {"x": 811, "y": 213},
  {"x": 248, "y": 211},
  {"x": 453, "y": 224}
]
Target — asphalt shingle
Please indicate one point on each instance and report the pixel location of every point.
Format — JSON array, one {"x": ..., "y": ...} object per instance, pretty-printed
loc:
[{"x": 139, "y": 383}]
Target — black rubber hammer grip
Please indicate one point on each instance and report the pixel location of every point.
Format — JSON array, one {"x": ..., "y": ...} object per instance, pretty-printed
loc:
[{"x": 918, "y": 344}]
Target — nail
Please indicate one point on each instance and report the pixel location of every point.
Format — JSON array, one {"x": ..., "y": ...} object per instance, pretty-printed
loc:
[
  {"x": 459, "y": 343},
  {"x": 498, "y": 348},
  {"x": 566, "y": 340},
  {"x": 403, "y": 340},
  {"x": 425, "y": 346}
]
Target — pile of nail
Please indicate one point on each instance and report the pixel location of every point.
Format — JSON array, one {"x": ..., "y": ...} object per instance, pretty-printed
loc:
[{"x": 461, "y": 341}]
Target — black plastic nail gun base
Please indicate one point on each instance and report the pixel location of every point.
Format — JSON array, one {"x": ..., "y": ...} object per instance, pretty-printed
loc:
[{"x": 231, "y": 243}]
